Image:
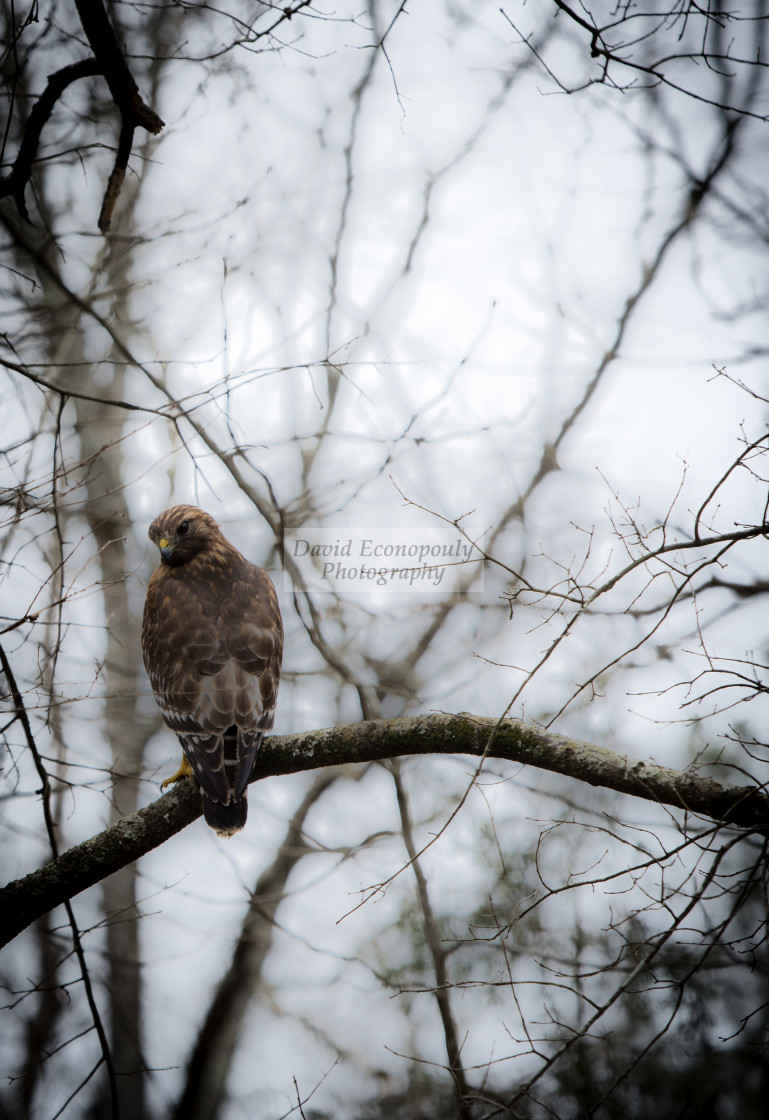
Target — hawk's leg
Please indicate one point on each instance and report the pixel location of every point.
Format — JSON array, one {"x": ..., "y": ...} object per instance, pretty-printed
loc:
[{"x": 184, "y": 771}]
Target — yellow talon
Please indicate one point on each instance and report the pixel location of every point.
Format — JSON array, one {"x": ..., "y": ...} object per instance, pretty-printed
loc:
[{"x": 184, "y": 771}]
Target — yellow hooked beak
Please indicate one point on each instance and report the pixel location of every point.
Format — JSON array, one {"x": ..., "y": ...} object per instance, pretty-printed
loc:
[{"x": 166, "y": 548}]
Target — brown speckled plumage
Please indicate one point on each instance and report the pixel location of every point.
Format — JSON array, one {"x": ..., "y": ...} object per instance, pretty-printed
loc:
[{"x": 212, "y": 641}]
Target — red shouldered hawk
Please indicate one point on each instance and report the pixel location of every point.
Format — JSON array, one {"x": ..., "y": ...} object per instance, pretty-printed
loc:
[{"x": 212, "y": 640}]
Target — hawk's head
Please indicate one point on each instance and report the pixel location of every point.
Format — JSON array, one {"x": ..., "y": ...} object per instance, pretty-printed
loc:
[{"x": 181, "y": 532}]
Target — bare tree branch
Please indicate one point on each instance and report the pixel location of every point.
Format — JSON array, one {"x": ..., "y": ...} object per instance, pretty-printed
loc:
[
  {"x": 15, "y": 183},
  {"x": 108, "y": 60},
  {"x": 212, "y": 1055},
  {"x": 21, "y": 714},
  {"x": 24, "y": 900},
  {"x": 438, "y": 951}
]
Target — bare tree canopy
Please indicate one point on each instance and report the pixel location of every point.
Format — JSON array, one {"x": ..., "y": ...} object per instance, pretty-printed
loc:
[{"x": 453, "y": 316}]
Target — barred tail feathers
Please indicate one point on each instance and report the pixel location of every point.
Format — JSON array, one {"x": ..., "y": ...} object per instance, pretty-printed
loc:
[
  {"x": 227, "y": 819},
  {"x": 222, "y": 764}
]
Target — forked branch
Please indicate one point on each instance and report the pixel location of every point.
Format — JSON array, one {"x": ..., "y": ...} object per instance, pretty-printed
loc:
[{"x": 108, "y": 60}]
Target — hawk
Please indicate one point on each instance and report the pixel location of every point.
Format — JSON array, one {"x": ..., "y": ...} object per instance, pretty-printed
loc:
[{"x": 212, "y": 641}]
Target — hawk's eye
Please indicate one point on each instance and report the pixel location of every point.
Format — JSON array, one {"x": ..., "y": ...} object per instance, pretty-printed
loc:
[{"x": 183, "y": 528}]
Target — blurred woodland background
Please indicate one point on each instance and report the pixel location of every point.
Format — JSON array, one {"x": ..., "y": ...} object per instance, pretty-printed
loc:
[{"x": 398, "y": 266}]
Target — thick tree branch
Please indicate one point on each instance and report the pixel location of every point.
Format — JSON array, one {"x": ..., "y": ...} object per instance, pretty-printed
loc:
[
  {"x": 108, "y": 60},
  {"x": 122, "y": 85},
  {"x": 24, "y": 900}
]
